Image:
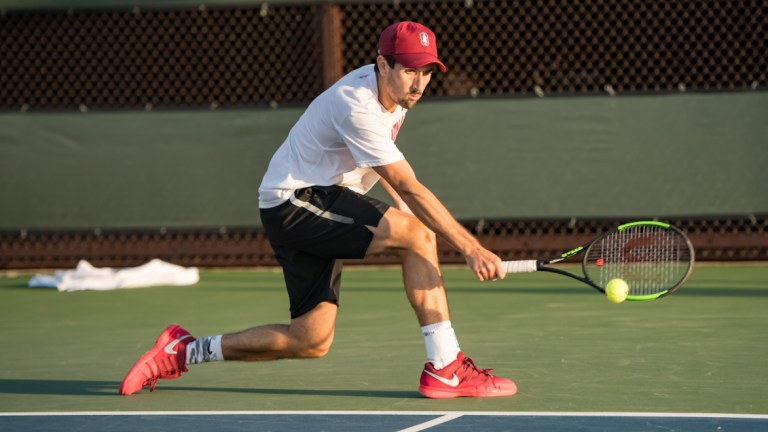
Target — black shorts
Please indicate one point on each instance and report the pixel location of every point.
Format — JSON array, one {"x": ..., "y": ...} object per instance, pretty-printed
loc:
[{"x": 310, "y": 233}]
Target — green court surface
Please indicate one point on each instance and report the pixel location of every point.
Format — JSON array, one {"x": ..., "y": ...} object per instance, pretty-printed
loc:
[{"x": 702, "y": 350}]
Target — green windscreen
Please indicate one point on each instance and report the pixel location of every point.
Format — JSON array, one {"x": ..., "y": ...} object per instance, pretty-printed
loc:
[{"x": 638, "y": 156}]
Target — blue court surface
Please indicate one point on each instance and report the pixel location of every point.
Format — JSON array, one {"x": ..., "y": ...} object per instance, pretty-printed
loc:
[{"x": 238, "y": 421}]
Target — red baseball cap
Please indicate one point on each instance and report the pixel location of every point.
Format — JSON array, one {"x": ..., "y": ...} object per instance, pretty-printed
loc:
[{"x": 411, "y": 44}]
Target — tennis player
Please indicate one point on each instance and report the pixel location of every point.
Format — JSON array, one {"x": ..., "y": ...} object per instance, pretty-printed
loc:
[{"x": 315, "y": 212}]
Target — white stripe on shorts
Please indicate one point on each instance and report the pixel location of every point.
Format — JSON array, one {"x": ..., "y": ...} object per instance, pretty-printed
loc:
[{"x": 323, "y": 214}]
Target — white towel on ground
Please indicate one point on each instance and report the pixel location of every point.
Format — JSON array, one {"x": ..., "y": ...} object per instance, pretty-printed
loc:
[{"x": 88, "y": 277}]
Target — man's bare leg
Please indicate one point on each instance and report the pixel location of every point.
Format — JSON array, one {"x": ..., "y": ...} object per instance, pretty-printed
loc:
[
  {"x": 402, "y": 233},
  {"x": 308, "y": 336}
]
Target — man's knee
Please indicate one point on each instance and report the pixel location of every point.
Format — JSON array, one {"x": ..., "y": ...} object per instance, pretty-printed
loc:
[
  {"x": 419, "y": 237},
  {"x": 401, "y": 233},
  {"x": 312, "y": 333},
  {"x": 312, "y": 349}
]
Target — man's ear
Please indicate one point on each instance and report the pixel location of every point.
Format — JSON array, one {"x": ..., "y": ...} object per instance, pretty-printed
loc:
[{"x": 382, "y": 63}]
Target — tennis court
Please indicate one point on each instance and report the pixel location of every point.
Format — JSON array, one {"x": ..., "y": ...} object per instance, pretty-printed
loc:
[{"x": 692, "y": 361}]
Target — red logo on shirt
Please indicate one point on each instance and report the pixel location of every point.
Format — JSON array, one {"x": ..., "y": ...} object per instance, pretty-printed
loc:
[{"x": 396, "y": 127}]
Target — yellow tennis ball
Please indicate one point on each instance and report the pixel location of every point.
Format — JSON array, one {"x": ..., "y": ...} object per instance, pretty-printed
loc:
[{"x": 617, "y": 290}]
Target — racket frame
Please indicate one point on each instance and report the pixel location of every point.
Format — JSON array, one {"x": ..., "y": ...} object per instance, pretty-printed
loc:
[{"x": 543, "y": 265}]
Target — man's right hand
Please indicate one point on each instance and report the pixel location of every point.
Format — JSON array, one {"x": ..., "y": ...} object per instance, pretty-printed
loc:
[{"x": 485, "y": 264}]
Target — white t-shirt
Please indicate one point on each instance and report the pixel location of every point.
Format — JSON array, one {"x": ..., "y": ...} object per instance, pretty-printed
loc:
[{"x": 343, "y": 133}]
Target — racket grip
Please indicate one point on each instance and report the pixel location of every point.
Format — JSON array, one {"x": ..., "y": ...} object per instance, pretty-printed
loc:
[{"x": 524, "y": 266}]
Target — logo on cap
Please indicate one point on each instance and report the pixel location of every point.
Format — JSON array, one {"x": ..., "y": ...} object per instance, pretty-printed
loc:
[
  {"x": 411, "y": 44},
  {"x": 424, "y": 38}
]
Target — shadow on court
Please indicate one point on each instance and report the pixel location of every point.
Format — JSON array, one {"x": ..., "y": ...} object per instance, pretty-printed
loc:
[
  {"x": 579, "y": 289},
  {"x": 59, "y": 387},
  {"x": 305, "y": 392},
  {"x": 109, "y": 388}
]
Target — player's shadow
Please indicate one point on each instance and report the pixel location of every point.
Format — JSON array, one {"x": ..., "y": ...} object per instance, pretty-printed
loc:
[
  {"x": 109, "y": 388},
  {"x": 305, "y": 392},
  {"x": 58, "y": 387}
]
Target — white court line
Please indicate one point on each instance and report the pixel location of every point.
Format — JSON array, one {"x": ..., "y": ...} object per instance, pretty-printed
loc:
[
  {"x": 400, "y": 413},
  {"x": 431, "y": 423}
]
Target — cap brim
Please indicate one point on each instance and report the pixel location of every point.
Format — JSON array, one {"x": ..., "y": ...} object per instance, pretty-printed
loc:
[{"x": 418, "y": 60}]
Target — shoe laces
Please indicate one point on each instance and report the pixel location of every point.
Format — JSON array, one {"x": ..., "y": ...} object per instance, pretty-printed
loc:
[
  {"x": 471, "y": 364},
  {"x": 170, "y": 373},
  {"x": 173, "y": 373},
  {"x": 151, "y": 382}
]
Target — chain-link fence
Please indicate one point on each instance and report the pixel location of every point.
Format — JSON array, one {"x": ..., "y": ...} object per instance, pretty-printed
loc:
[{"x": 276, "y": 54}]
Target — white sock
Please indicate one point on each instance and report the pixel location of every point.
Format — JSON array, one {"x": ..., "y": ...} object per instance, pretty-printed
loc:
[
  {"x": 442, "y": 345},
  {"x": 204, "y": 350}
]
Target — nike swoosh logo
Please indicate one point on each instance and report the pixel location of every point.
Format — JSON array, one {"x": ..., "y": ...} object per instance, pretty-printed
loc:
[
  {"x": 453, "y": 382},
  {"x": 169, "y": 349}
]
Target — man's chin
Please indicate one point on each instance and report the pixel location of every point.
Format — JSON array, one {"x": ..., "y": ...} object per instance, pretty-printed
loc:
[{"x": 407, "y": 103}]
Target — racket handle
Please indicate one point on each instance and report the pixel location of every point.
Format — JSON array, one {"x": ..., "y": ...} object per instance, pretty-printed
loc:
[{"x": 524, "y": 266}]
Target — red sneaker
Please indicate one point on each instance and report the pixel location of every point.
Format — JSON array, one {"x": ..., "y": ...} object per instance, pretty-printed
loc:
[
  {"x": 165, "y": 360},
  {"x": 463, "y": 378}
]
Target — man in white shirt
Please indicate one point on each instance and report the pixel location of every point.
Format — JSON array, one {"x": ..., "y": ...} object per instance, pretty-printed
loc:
[{"x": 315, "y": 213}]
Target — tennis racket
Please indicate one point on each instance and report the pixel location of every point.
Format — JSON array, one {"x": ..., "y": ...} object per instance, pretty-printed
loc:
[{"x": 654, "y": 258}]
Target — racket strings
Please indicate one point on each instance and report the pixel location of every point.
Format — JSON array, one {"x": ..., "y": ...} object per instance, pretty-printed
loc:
[{"x": 649, "y": 258}]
